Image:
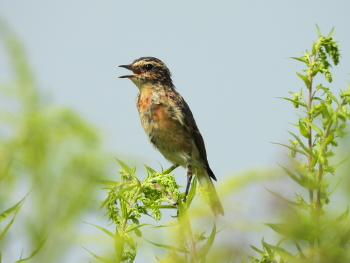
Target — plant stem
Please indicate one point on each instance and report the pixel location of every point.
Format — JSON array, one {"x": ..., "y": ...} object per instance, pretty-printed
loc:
[{"x": 309, "y": 157}]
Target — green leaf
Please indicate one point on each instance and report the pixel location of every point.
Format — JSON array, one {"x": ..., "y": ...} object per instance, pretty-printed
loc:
[
  {"x": 291, "y": 175},
  {"x": 282, "y": 252},
  {"x": 33, "y": 253},
  {"x": 330, "y": 33},
  {"x": 294, "y": 101},
  {"x": 109, "y": 182},
  {"x": 96, "y": 256},
  {"x": 269, "y": 251},
  {"x": 305, "y": 148},
  {"x": 301, "y": 254},
  {"x": 318, "y": 31},
  {"x": 6, "y": 170},
  {"x": 192, "y": 192},
  {"x": 131, "y": 228},
  {"x": 206, "y": 247},
  {"x": 257, "y": 250},
  {"x": 126, "y": 167},
  {"x": 2, "y": 234},
  {"x": 305, "y": 79},
  {"x": 313, "y": 126},
  {"x": 170, "y": 169},
  {"x": 103, "y": 229},
  {"x": 149, "y": 169},
  {"x": 291, "y": 148},
  {"x": 173, "y": 248},
  {"x": 313, "y": 49},
  {"x": 302, "y": 59},
  {"x": 298, "y": 205},
  {"x": 159, "y": 206},
  {"x": 12, "y": 209},
  {"x": 343, "y": 216},
  {"x": 303, "y": 129}
]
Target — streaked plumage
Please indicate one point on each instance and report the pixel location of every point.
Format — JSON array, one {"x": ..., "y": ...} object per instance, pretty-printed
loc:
[{"x": 169, "y": 123}]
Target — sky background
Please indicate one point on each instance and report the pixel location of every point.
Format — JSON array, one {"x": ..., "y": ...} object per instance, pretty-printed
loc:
[{"x": 228, "y": 60}]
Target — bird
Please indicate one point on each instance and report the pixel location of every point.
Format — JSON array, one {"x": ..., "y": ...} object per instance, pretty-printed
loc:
[{"x": 169, "y": 124}]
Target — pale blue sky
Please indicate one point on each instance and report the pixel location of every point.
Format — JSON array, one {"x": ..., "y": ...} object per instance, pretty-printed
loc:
[{"x": 228, "y": 60}]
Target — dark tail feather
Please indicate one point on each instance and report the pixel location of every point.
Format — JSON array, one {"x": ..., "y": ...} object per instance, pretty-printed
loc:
[{"x": 207, "y": 184}]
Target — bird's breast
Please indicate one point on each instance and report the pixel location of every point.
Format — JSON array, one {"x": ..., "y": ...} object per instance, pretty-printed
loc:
[{"x": 155, "y": 113}]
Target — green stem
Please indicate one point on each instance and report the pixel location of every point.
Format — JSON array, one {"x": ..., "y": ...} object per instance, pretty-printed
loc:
[{"x": 309, "y": 157}]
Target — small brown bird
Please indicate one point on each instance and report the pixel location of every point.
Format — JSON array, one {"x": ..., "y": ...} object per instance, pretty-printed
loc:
[{"x": 169, "y": 123}]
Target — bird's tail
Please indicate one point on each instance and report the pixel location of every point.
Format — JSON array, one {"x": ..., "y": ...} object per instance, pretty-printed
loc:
[{"x": 213, "y": 198}]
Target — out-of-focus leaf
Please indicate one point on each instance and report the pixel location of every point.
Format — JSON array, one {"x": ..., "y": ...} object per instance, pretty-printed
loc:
[
  {"x": 192, "y": 192},
  {"x": 103, "y": 229},
  {"x": 33, "y": 253},
  {"x": 133, "y": 227},
  {"x": 301, "y": 254},
  {"x": 173, "y": 248},
  {"x": 12, "y": 209},
  {"x": 206, "y": 247},
  {"x": 2, "y": 234},
  {"x": 6, "y": 170},
  {"x": 170, "y": 169},
  {"x": 282, "y": 252},
  {"x": 96, "y": 256},
  {"x": 291, "y": 148}
]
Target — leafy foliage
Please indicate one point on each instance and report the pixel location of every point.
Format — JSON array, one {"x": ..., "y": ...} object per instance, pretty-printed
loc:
[{"x": 310, "y": 156}]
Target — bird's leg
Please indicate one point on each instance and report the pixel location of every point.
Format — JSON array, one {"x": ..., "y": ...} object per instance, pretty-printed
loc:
[{"x": 189, "y": 179}]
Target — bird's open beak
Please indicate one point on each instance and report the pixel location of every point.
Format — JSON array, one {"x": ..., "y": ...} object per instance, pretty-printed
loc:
[{"x": 129, "y": 67}]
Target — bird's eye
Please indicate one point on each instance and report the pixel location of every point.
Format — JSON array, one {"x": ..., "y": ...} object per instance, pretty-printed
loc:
[{"x": 149, "y": 67}]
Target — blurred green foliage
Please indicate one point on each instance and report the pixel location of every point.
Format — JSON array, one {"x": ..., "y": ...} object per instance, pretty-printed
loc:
[
  {"x": 52, "y": 165},
  {"x": 55, "y": 156},
  {"x": 317, "y": 233}
]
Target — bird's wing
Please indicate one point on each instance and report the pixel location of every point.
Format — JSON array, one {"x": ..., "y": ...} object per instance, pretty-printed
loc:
[{"x": 190, "y": 124}]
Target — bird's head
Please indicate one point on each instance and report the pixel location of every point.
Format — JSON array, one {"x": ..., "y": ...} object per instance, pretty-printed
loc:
[{"x": 148, "y": 71}]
